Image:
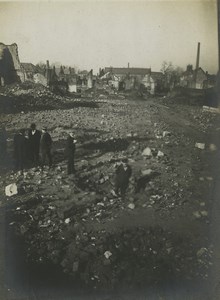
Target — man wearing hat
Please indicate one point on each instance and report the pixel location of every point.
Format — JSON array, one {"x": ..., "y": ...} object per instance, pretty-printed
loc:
[
  {"x": 19, "y": 149},
  {"x": 3, "y": 144},
  {"x": 122, "y": 176},
  {"x": 70, "y": 153},
  {"x": 45, "y": 147},
  {"x": 34, "y": 136}
]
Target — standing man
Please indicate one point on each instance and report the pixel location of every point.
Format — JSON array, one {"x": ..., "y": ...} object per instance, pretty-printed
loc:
[
  {"x": 45, "y": 147},
  {"x": 123, "y": 174},
  {"x": 70, "y": 153},
  {"x": 19, "y": 150},
  {"x": 34, "y": 143},
  {"x": 3, "y": 143}
]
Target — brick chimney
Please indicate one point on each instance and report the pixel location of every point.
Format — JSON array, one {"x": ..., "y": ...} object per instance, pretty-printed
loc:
[
  {"x": 197, "y": 63},
  {"x": 198, "y": 56},
  {"x": 47, "y": 72}
]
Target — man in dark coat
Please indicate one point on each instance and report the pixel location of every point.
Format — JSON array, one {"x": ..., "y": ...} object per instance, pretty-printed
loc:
[
  {"x": 123, "y": 174},
  {"x": 19, "y": 150},
  {"x": 70, "y": 153},
  {"x": 45, "y": 147},
  {"x": 34, "y": 136},
  {"x": 3, "y": 143}
]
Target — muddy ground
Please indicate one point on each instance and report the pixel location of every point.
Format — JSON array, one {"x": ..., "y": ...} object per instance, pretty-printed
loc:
[{"x": 70, "y": 237}]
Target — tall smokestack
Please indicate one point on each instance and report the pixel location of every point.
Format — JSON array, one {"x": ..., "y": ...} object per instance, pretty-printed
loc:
[
  {"x": 47, "y": 72},
  {"x": 128, "y": 65},
  {"x": 197, "y": 57}
]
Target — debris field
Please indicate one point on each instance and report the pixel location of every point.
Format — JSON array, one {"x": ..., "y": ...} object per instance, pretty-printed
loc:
[{"x": 158, "y": 233}]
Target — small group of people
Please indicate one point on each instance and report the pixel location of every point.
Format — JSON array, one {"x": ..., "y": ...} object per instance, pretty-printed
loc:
[
  {"x": 29, "y": 147},
  {"x": 33, "y": 147}
]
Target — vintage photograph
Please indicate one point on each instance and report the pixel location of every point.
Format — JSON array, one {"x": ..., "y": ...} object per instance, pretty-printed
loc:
[{"x": 109, "y": 150}]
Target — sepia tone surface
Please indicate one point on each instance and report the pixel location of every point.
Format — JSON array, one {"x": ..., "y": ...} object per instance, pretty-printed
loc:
[{"x": 124, "y": 203}]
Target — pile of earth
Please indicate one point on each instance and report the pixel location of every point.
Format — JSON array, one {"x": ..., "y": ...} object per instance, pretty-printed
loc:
[{"x": 29, "y": 96}]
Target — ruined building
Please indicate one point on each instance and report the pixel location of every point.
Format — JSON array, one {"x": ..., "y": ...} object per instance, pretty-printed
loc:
[
  {"x": 29, "y": 70},
  {"x": 90, "y": 79},
  {"x": 133, "y": 78},
  {"x": 10, "y": 66},
  {"x": 198, "y": 78}
]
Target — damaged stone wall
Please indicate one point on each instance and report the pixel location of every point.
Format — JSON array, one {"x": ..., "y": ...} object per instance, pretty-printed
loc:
[
  {"x": 39, "y": 78},
  {"x": 10, "y": 66}
]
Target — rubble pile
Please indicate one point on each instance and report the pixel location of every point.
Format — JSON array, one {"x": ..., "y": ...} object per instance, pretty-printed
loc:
[
  {"x": 28, "y": 96},
  {"x": 206, "y": 119},
  {"x": 80, "y": 224},
  {"x": 60, "y": 227},
  {"x": 27, "y": 89}
]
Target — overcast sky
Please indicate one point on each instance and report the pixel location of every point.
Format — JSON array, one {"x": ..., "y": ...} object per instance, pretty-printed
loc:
[{"x": 98, "y": 34}]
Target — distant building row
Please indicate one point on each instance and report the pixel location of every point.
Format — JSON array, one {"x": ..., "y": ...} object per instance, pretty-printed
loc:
[
  {"x": 198, "y": 78},
  {"x": 132, "y": 78},
  {"x": 11, "y": 70}
]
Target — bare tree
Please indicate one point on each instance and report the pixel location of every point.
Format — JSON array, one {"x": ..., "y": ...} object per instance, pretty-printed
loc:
[
  {"x": 41, "y": 64},
  {"x": 171, "y": 74},
  {"x": 41, "y": 67},
  {"x": 167, "y": 67}
]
